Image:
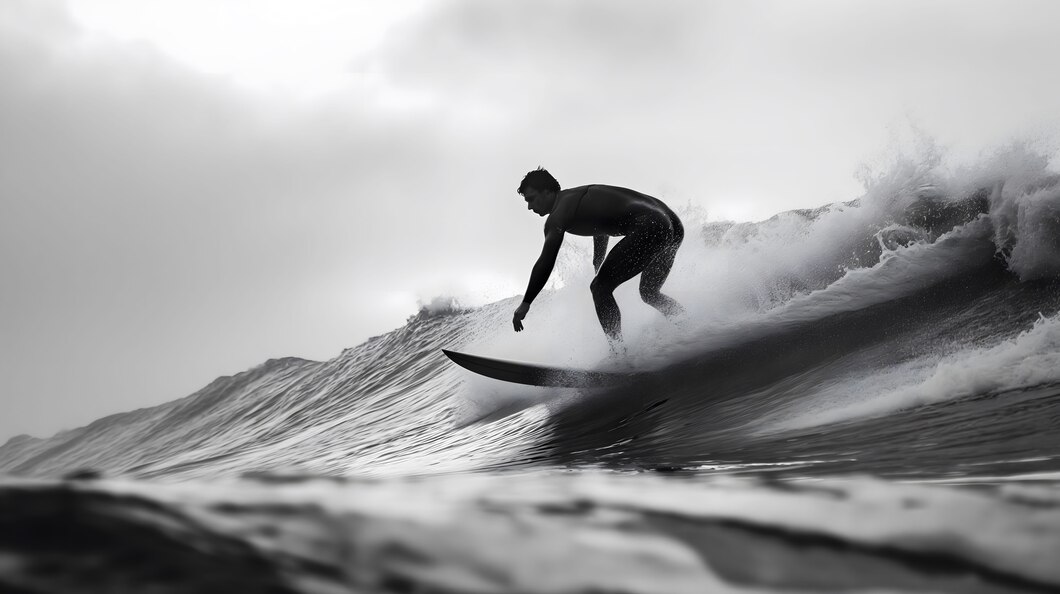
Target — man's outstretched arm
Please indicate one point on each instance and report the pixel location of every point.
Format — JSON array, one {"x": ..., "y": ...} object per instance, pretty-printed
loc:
[
  {"x": 539, "y": 275},
  {"x": 599, "y": 250}
]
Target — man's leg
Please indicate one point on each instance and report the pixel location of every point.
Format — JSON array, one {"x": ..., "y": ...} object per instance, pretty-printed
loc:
[
  {"x": 658, "y": 270},
  {"x": 626, "y": 260},
  {"x": 607, "y": 309}
]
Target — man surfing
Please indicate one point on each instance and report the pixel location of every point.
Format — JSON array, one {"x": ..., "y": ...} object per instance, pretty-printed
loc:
[{"x": 651, "y": 234}]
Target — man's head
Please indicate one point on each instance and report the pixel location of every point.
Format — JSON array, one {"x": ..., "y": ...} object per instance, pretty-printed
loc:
[
  {"x": 540, "y": 180},
  {"x": 539, "y": 189}
]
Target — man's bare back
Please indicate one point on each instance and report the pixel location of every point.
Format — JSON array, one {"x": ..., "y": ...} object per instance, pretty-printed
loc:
[{"x": 603, "y": 210}]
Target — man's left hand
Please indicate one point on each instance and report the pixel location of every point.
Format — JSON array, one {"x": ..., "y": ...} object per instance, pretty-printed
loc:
[{"x": 520, "y": 313}]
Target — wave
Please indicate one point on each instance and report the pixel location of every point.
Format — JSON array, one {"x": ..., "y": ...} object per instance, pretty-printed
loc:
[{"x": 843, "y": 328}]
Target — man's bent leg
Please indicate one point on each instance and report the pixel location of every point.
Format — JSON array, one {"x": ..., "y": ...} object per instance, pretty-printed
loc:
[
  {"x": 656, "y": 273},
  {"x": 627, "y": 259},
  {"x": 652, "y": 280},
  {"x": 607, "y": 309}
]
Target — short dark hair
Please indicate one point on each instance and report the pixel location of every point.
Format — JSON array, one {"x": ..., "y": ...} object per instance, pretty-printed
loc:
[{"x": 540, "y": 180}]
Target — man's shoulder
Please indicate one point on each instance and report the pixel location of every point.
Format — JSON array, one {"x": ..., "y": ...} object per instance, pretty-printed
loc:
[
  {"x": 608, "y": 189},
  {"x": 575, "y": 191}
]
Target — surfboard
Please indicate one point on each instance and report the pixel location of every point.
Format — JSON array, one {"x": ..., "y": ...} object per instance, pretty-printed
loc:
[{"x": 535, "y": 375}]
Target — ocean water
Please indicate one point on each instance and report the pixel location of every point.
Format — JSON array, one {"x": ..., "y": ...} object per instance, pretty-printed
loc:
[{"x": 906, "y": 339}]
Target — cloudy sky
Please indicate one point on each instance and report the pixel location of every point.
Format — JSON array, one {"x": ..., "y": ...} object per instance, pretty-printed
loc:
[{"x": 190, "y": 187}]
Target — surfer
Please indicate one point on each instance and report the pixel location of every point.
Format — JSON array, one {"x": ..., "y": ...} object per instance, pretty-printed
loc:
[{"x": 651, "y": 234}]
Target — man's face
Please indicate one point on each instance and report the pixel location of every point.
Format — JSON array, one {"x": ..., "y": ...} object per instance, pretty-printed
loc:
[{"x": 537, "y": 201}]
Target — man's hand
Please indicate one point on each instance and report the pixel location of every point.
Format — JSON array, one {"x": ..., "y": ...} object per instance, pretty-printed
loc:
[{"x": 520, "y": 313}]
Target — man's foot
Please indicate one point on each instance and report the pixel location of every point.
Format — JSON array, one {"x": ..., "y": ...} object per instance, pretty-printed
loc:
[{"x": 620, "y": 358}]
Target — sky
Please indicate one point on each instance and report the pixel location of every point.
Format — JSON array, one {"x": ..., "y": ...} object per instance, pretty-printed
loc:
[{"x": 191, "y": 187}]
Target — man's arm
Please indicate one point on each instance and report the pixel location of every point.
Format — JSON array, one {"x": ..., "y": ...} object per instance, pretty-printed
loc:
[
  {"x": 599, "y": 250},
  {"x": 539, "y": 275}
]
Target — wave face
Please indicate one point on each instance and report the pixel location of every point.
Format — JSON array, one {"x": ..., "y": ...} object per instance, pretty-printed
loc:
[{"x": 912, "y": 332}]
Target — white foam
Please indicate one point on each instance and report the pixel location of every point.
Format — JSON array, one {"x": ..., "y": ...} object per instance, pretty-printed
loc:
[
  {"x": 1036, "y": 253},
  {"x": 900, "y": 272}
]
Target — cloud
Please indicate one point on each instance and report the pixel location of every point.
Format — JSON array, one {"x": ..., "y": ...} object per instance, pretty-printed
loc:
[
  {"x": 184, "y": 173},
  {"x": 545, "y": 60}
]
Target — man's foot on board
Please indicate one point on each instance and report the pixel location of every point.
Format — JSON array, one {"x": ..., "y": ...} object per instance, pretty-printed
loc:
[{"x": 619, "y": 358}]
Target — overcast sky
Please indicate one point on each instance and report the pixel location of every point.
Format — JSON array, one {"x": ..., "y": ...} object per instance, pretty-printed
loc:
[{"x": 191, "y": 187}]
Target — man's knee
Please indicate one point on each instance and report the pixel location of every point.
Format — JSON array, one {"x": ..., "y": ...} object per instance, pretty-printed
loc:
[
  {"x": 601, "y": 287},
  {"x": 649, "y": 294}
]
